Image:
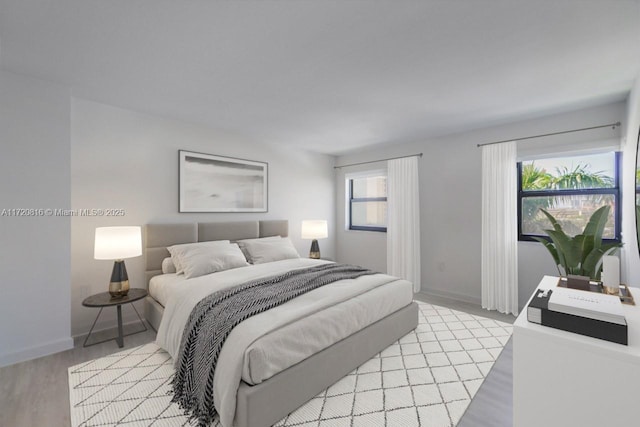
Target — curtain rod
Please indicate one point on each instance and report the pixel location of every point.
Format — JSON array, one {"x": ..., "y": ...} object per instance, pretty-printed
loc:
[
  {"x": 612, "y": 125},
  {"x": 376, "y": 161}
]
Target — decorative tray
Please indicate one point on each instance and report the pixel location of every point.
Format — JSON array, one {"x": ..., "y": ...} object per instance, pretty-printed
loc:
[{"x": 625, "y": 292}]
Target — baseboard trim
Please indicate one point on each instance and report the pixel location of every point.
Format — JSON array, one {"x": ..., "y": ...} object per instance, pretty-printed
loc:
[
  {"x": 452, "y": 295},
  {"x": 36, "y": 352},
  {"x": 100, "y": 333}
]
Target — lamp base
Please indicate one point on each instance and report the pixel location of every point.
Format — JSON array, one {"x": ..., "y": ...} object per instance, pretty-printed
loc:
[
  {"x": 119, "y": 284},
  {"x": 314, "y": 253}
]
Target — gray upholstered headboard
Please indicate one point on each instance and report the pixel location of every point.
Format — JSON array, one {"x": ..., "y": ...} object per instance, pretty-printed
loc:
[{"x": 159, "y": 236}]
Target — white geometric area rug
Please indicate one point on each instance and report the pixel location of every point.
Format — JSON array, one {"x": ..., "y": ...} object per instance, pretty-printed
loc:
[{"x": 427, "y": 378}]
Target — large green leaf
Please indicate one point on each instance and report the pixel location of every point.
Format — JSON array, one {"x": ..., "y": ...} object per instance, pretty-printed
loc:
[
  {"x": 556, "y": 225},
  {"x": 560, "y": 261},
  {"x": 581, "y": 244},
  {"x": 587, "y": 243},
  {"x": 566, "y": 246},
  {"x": 596, "y": 224},
  {"x": 581, "y": 254}
]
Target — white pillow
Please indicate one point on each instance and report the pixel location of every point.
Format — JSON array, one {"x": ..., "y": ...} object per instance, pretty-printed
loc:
[
  {"x": 261, "y": 251},
  {"x": 210, "y": 259},
  {"x": 179, "y": 252},
  {"x": 242, "y": 243},
  {"x": 168, "y": 266}
]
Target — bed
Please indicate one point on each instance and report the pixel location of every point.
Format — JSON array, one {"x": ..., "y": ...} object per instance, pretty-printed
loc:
[{"x": 267, "y": 394}]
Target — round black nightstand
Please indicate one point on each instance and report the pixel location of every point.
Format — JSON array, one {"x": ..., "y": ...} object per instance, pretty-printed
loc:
[{"x": 103, "y": 300}]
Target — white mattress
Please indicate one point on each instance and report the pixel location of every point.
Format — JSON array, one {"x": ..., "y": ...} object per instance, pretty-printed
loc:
[
  {"x": 274, "y": 352},
  {"x": 161, "y": 287},
  {"x": 291, "y": 344}
]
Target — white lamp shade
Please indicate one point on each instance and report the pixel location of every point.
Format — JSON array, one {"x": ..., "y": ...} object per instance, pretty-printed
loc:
[
  {"x": 314, "y": 229},
  {"x": 117, "y": 242}
]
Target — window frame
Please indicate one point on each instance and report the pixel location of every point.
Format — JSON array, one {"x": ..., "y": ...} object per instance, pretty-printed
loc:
[
  {"x": 351, "y": 199},
  {"x": 615, "y": 191}
]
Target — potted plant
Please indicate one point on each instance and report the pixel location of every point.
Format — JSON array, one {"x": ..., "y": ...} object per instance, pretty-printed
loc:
[{"x": 581, "y": 254}]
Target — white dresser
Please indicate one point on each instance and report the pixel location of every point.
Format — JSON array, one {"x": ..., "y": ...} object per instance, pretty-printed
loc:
[{"x": 565, "y": 379}]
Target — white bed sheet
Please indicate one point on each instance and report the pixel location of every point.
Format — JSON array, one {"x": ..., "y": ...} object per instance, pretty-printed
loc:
[
  {"x": 161, "y": 287},
  {"x": 283, "y": 348},
  {"x": 291, "y": 344}
]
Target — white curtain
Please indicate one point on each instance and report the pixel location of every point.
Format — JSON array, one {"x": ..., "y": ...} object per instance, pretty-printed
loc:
[
  {"x": 499, "y": 228},
  {"x": 403, "y": 220}
]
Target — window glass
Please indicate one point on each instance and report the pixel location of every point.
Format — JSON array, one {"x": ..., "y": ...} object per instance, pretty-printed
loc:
[
  {"x": 570, "y": 188},
  {"x": 576, "y": 172},
  {"x": 572, "y": 212},
  {"x": 368, "y": 203},
  {"x": 369, "y": 214},
  {"x": 371, "y": 186}
]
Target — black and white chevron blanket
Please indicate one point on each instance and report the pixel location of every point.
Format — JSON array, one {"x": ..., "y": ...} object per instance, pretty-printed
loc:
[{"x": 213, "y": 318}]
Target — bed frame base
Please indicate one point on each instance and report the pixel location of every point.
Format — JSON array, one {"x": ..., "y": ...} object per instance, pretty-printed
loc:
[
  {"x": 153, "y": 312},
  {"x": 265, "y": 404}
]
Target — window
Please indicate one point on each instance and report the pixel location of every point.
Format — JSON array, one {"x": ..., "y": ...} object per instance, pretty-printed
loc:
[
  {"x": 570, "y": 189},
  {"x": 368, "y": 202}
]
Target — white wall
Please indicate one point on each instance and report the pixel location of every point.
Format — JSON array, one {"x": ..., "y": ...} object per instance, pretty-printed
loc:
[
  {"x": 128, "y": 160},
  {"x": 34, "y": 250},
  {"x": 450, "y": 201}
]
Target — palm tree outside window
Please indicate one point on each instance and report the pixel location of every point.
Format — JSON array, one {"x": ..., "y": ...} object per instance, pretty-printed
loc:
[{"x": 571, "y": 188}]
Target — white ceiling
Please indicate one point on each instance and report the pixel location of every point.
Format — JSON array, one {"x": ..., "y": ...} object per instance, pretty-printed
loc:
[{"x": 331, "y": 76}]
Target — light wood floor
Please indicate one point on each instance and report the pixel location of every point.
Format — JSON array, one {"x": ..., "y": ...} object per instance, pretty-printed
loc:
[
  {"x": 493, "y": 404},
  {"x": 465, "y": 306},
  {"x": 36, "y": 392}
]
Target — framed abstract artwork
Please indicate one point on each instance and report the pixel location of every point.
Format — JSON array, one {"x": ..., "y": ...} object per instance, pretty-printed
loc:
[{"x": 211, "y": 183}]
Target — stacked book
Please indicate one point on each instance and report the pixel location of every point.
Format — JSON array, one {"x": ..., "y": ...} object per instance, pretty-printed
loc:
[{"x": 587, "y": 313}]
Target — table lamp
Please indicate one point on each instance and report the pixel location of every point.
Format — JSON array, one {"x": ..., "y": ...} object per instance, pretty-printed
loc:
[
  {"x": 118, "y": 243},
  {"x": 314, "y": 229}
]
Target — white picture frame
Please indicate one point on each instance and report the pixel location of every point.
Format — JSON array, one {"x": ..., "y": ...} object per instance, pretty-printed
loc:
[{"x": 210, "y": 183}]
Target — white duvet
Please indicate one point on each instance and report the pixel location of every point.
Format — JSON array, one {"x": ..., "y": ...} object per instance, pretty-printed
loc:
[{"x": 347, "y": 305}]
